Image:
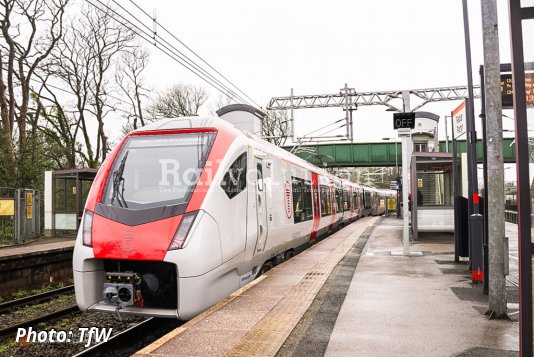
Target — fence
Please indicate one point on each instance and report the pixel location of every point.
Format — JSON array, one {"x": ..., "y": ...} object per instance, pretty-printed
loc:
[
  {"x": 20, "y": 215},
  {"x": 510, "y": 216}
]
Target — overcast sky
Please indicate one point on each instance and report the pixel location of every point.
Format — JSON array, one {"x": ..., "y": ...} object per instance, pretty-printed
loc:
[{"x": 315, "y": 47}]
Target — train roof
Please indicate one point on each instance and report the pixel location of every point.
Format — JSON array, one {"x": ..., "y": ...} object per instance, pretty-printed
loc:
[
  {"x": 220, "y": 124},
  {"x": 193, "y": 122}
]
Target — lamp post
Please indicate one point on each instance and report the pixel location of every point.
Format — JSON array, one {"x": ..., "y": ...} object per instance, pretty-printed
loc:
[
  {"x": 396, "y": 174},
  {"x": 407, "y": 147},
  {"x": 447, "y": 134}
]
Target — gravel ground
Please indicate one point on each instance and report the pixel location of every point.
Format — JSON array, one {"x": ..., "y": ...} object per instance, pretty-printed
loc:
[
  {"x": 71, "y": 324},
  {"x": 34, "y": 311}
]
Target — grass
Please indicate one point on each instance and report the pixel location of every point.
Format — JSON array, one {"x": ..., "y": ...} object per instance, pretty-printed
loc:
[{"x": 23, "y": 293}]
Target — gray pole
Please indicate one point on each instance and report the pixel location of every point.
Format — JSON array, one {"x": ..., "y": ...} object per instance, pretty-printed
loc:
[
  {"x": 292, "y": 118},
  {"x": 495, "y": 194},
  {"x": 470, "y": 119},
  {"x": 345, "y": 92},
  {"x": 456, "y": 184},
  {"x": 476, "y": 220},
  {"x": 406, "y": 155},
  {"x": 446, "y": 134}
]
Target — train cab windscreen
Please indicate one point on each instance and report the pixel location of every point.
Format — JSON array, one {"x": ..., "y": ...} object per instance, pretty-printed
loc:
[{"x": 157, "y": 170}]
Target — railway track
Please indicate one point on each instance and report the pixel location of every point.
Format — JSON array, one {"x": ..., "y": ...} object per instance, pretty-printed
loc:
[
  {"x": 127, "y": 342},
  {"x": 7, "y": 331},
  {"x": 34, "y": 299}
]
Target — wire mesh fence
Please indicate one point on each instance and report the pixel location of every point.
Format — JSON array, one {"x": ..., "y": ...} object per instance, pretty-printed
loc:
[{"x": 20, "y": 215}]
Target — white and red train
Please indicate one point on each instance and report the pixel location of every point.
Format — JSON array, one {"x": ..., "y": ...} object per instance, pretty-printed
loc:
[{"x": 185, "y": 211}]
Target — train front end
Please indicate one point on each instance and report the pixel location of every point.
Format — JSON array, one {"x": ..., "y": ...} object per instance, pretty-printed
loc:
[{"x": 144, "y": 210}]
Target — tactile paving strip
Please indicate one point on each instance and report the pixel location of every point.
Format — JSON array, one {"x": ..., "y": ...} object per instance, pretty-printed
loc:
[
  {"x": 148, "y": 350},
  {"x": 281, "y": 303},
  {"x": 268, "y": 335}
]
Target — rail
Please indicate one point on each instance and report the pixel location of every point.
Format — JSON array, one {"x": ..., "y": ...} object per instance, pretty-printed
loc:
[
  {"x": 124, "y": 342},
  {"x": 34, "y": 299},
  {"x": 6, "y": 331}
]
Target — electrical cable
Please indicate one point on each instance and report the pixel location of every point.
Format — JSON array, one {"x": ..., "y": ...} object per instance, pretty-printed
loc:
[
  {"x": 179, "y": 53},
  {"x": 199, "y": 57},
  {"x": 165, "y": 49},
  {"x": 329, "y": 131},
  {"x": 323, "y": 127}
]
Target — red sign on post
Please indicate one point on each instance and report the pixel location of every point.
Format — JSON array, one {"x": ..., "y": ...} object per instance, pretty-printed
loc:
[{"x": 458, "y": 119}]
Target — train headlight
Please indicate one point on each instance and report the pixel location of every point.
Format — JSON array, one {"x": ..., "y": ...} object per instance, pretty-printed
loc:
[
  {"x": 87, "y": 229},
  {"x": 183, "y": 229}
]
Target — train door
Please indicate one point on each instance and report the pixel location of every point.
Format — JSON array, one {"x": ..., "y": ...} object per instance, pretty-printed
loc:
[
  {"x": 261, "y": 207},
  {"x": 351, "y": 203},
  {"x": 316, "y": 209}
]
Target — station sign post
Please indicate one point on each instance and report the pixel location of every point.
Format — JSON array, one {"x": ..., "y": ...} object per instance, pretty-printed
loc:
[{"x": 404, "y": 123}]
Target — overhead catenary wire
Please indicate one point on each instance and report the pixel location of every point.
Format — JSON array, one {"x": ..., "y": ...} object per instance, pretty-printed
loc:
[
  {"x": 163, "y": 48},
  {"x": 307, "y": 140},
  {"x": 69, "y": 92},
  {"x": 179, "y": 53},
  {"x": 193, "y": 52},
  {"x": 323, "y": 127},
  {"x": 329, "y": 131}
]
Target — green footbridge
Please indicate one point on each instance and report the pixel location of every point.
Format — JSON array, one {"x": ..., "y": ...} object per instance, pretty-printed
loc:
[{"x": 378, "y": 154}]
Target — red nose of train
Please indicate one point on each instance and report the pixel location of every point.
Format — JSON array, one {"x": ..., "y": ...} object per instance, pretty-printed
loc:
[{"x": 146, "y": 195}]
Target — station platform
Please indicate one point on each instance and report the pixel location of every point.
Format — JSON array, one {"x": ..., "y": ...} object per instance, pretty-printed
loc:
[
  {"x": 45, "y": 245},
  {"x": 35, "y": 265},
  {"x": 348, "y": 295}
]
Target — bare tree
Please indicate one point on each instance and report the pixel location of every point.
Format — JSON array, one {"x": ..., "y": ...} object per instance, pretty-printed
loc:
[
  {"x": 84, "y": 60},
  {"x": 30, "y": 30},
  {"x": 179, "y": 100},
  {"x": 380, "y": 177},
  {"x": 222, "y": 101},
  {"x": 275, "y": 127},
  {"x": 130, "y": 80},
  {"x": 58, "y": 127}
]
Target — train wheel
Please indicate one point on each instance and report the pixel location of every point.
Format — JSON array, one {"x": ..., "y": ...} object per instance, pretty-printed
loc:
[
  {"x": 265, "y": 268},
  {"x": 289, "y": 254}
]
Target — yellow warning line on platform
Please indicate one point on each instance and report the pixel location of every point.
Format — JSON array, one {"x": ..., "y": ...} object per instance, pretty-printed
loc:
[{"x": 163, "y": 340}]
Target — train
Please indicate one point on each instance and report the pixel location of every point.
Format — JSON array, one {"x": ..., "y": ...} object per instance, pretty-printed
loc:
[{"x": 187, "y": 210}]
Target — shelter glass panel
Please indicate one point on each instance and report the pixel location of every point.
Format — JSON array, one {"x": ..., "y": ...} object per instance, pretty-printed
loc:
[
  {"x": 65, "y": 195},
  {"x": 85, "y": 187},
  {"x": 434, "y": 184}
]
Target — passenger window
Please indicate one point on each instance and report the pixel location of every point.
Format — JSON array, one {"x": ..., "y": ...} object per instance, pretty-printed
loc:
[
  {"x": 302, "y": 200},
  {"x": 235, "y": 179},
  {"x": 338, "y": 200},
  {"x": 345, "y": 200},
  {"x": 326, "y": 206}
]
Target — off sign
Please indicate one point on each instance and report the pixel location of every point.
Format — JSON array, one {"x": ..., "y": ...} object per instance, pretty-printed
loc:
[{"x": 403, "y": 120}]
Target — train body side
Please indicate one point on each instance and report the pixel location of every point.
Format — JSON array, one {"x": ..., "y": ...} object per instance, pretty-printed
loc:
[{"x": 227, "y": 243}]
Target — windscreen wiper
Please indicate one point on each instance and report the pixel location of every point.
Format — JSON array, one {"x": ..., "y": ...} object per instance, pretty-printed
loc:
[{"x": 118, "y": 181}]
